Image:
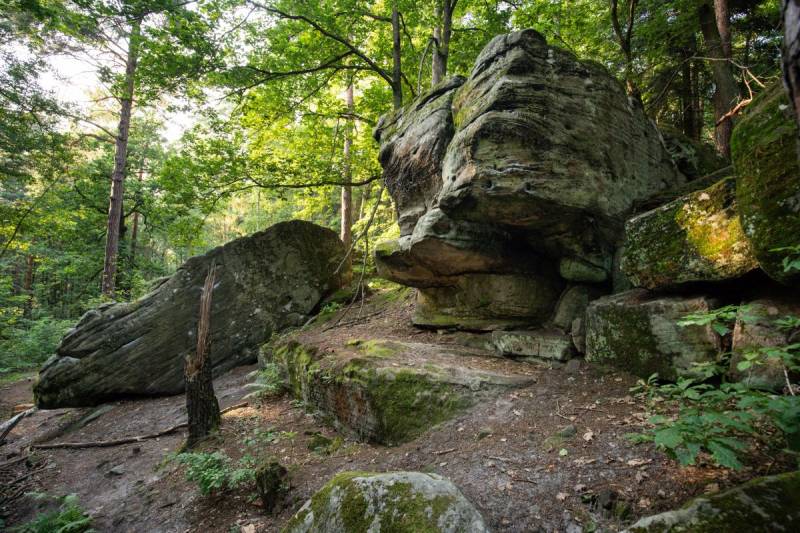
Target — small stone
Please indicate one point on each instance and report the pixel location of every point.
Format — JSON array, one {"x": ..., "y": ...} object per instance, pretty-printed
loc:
[
  {"x": 573, "y": 366},
  {"x": 116, "y": 471},
  {"x": 567, "y": 432},
  {"x": 272, "y": 484}
]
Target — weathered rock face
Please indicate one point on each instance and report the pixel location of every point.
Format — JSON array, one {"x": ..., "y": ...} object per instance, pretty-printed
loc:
[
  {"x": 756, "y": 327},
  {"x": 764, "y": 504},
  {"x": 764, "y": 152},
  {"x": 355, "y": 502},
  {"x": 265, "y": 282},
  {"x": 391, "y": 392},
  {"x": 697, "y": 237},
  {"x": 527, "y": 168},
  {"x": 638, "y": 331}
]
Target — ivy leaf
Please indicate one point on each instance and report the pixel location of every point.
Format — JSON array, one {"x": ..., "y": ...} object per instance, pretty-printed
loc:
[{"x": 721, "y": 329}]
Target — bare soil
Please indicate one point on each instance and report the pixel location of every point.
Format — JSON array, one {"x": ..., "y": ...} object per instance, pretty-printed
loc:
[{"x": 504, "y": 454}]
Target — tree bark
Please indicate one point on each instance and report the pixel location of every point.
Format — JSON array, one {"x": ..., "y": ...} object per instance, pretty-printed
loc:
[
  {"x": 791, "y": 52},
  {"x": 135, "y": 224},
  {"x": 27, "y": 284},
  {"x": 202, "y": 406},
  {"x": 397, "y": 72},
  {"x": 441, "y": 36},
  {"x": 726, "y": 92},
  {"x": 625, "y": 37},
  {"x": 120, "y": 160},
  {"x": 347, "y": 190}
]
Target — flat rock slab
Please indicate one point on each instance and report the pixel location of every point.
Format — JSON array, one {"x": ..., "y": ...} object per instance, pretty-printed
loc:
[
  {"x": 390, "y": 392},
  {"x": 265, "y": 282},
  {"x": 538, "y": 344}
]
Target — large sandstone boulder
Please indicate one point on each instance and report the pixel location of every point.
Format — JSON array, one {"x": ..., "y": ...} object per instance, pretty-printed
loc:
[
  {"x": 638, "y": 331},
  {"x": 697, "y": 237},
  {"x": 391, "y": 392},
  {"x": 526, "y": 169},
  {"x": 265, "y": 282},
  {"x": 402, "y": 502},
  {"x": 764, "y": 152},
  {"x": 764, "y": 504}
]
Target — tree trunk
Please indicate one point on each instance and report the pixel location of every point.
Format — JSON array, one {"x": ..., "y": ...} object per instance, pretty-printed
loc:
[
  {"x": 135, "y": 224},
  {"x": 441, "y": 35},
  {"x": 726, "y": 92},
  {"x": 120, "y": 160},
  {"x": 397, "y": 73},
  {"x": 723, "y": 18},
  {"x": 791, "y": 51},
  {"x": 347, "y": 190},
  {"x": 624, "y": 38},
  {"x": 27, "y": 284},
  {"x": 202, "y": 406}
]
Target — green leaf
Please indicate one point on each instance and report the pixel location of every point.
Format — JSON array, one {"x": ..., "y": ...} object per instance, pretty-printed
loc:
[
  {"x": 723, "y": 455},
  {"x": 669, "y": 438},
  {"x": 721, "y": 329}
]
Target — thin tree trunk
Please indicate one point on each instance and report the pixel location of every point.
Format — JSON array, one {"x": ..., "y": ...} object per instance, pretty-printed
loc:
[
  {"x": 397, "y": 83},
  {"x": 726, "y": 92},
  {"x": 441, "y": 35},
  {"x": 202, "y": 406},
  {"x": 27, "y": 284},
  {"x": 723, "y": 18},
  {"x": 120, "y": 160},
  {"x": 624, "y": 38},
  {"x": 791, "y": 51},
  {"x": 135, "y": 224},
  {"x": 347, "y": 190}
]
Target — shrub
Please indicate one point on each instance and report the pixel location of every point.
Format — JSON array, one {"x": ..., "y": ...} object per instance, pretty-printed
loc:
[
  {"x": 268, "y": 382},
  {"x": 68, "y": 518},
  {"x": 720, "y": 420},
  {"x": 215, "y": 472}
]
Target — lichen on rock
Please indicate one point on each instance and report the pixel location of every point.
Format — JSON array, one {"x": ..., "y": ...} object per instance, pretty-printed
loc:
[
  {"x": 402, "y": 502},
  {"x": 697, "y": 237}
]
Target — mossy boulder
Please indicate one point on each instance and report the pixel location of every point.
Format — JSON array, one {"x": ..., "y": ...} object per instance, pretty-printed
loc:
[
  {"x": 397, "y": 502},
  {"x": 756, "y": 327},
  {"x": 265, "y": 282},
  {"x": 697, "y": 237},
  {"x": 390, "y": 392},
  {"x": 764, "y": 152},
  {"x": 692, "y": 157},
  {"x": 763, "y": 504},
  {"x": 638, "y": 331}
]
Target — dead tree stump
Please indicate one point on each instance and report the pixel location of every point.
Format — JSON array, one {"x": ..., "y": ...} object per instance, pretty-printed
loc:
[{"x": 201, "y": 404}]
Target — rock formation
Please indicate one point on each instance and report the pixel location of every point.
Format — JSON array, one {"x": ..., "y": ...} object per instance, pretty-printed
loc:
[
  {"x": 764, "y": 150},
  {"x": 266, "y": 282},
  {"x": 354, "y": 502},
  {"x": 510, "y": 183}
]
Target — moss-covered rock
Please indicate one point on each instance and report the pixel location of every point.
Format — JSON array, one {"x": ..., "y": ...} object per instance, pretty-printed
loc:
[
  {"x": 764, "y": 504},
  {"x": 386, "y": 391},
  {"x": 697, "y": 237},
  {"x": 694, "y": 158},
  {"x": 396, "y": 502},
  {"x": 637, "y": 331},
  {"x": 764, "y": 152},
  {"x": 756, "y": 327}
]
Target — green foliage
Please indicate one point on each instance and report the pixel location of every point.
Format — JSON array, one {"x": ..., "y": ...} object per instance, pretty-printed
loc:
[
  {"x": 721, "y": 320},
  {"x": 30, "y": 342},
  {"x": 268, "y": 382},
  {"x": 68, "y": 518},
  {"x": 791, "y": 262},
  {"x": 215, "y": 472},
  {"x": 722, "y": 420}
]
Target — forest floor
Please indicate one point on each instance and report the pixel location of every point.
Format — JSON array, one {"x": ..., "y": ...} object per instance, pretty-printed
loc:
[{"x": 551, "y": 456}]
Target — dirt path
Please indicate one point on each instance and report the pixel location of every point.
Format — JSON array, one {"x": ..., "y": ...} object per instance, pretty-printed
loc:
[{"x": 551, "y": 456}]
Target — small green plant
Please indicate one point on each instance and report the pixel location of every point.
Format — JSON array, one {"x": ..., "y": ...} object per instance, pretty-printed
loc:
[
  {"x": 215, "y": 472},
  {"x": 30, "y": 342},
  {"x": 268, "y": 382},
  {"x": 68, "y": 518},
  {"x": 792, "y": 260},
  {"x": 722, "y": 419}
]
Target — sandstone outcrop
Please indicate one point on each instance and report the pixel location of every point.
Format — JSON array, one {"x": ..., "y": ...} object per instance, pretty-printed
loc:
[
  {"x": 515, "y": 173},
  {"x": 265, "y": 282}
]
